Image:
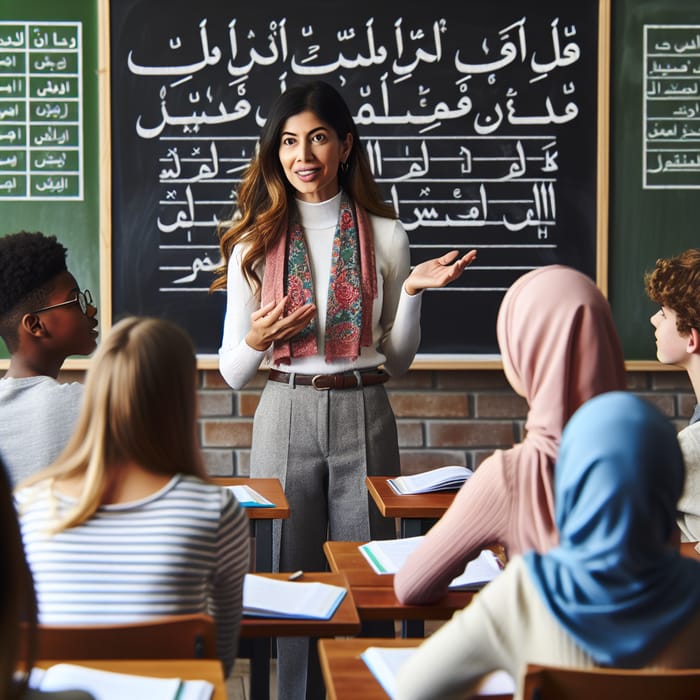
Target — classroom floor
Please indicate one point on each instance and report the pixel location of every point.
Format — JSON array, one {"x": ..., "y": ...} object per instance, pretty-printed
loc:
[{"x": 238, "y": 685}]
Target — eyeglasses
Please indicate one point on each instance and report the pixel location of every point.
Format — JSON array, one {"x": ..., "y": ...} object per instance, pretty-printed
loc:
[{"x": 83, "y": 299}]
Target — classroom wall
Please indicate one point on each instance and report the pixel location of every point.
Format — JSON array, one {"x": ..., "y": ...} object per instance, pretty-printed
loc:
[{"x": 444, "y": 416}]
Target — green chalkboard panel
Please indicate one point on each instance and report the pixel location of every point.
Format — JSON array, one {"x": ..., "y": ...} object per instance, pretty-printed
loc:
[
  {"x": 49, "y": 127},
  {"x": 655, "y": 152}
]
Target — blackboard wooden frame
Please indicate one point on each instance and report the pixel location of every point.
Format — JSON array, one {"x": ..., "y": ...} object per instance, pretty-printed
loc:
[
  {"x": 441, "y": 360},
  {"x": 600, "y": 63}
]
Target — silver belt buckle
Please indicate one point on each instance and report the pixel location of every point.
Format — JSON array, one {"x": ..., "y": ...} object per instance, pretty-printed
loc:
[{"x": 315, "y": 386}]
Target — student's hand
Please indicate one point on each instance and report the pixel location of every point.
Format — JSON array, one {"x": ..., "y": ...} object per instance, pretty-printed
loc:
[
  {"x": 438, "y": 272},
  {"x": 269, "y": 323}
]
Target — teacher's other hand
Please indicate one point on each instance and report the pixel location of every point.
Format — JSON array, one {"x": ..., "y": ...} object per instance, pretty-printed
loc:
[{"x": 438, "y": 272}]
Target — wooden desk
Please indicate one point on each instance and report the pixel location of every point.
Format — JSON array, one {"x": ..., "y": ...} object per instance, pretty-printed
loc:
[
  {"x": 374, "y": 593},
  {"x": 261, "y": 518},
  {"x": 186, "y": 669},
  {"x": 260, "y": 630},
  {"x": 415, "y": 512},
  {"x": 346, "y": 675}
]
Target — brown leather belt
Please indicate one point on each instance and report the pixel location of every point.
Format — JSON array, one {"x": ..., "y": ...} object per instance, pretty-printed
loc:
[{"x": 324, "y": 382}]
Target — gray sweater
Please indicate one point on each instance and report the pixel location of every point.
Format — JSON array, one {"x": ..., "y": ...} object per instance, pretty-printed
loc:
[{"x": 37, "y": 417}]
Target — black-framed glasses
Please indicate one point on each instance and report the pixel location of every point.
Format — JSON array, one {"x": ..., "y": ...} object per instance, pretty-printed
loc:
[{"x": 83, "y": 299}]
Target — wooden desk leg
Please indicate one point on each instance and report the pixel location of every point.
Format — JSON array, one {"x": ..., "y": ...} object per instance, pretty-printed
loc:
[
  {"x": 414, "y": 527},
  {"x": 260, "y": 668},
  {"x": 412, "y": 628},
  {"x": 263, "y": 545}
]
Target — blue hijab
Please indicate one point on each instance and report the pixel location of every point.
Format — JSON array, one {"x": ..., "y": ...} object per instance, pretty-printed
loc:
[{"x": 615, "y": 582}]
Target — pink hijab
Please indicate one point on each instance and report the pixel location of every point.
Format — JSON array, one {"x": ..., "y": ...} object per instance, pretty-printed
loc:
[{"x": 559, "y": 343}]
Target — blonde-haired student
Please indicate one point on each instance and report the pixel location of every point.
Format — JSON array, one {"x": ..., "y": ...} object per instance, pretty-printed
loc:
[{"x": 124, "y": 525}]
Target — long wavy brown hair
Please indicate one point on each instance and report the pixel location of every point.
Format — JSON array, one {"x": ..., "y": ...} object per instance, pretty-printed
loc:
[{"x": 264, "y": 196}]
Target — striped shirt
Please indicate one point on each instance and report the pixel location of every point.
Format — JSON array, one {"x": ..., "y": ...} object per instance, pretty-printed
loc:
[{"x": 183, "y": 549}]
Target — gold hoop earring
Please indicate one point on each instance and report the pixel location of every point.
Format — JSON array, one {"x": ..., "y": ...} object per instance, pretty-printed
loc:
[{"x": 344, "y": 167}]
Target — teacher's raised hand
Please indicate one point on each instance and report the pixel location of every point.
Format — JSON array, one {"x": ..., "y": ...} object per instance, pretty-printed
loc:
[{"x": 438, "y": 272}]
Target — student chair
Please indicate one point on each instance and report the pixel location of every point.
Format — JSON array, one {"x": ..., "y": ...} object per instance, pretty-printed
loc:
[
  {"x": 552, "y": 683},
  {"x": 168, "y": 637}
]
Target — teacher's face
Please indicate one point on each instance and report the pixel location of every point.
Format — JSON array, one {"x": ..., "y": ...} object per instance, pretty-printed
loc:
[{"x": 311, "y": 153}]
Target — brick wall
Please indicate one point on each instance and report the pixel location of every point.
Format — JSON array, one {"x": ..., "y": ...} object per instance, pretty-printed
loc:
[{"x": 444, "y": 416}]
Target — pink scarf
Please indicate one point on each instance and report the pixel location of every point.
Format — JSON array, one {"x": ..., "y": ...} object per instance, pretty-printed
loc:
[{"x": 352, "y": 286}]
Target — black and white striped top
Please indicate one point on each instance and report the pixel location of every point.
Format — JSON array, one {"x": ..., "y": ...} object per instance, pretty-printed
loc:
[{"x": 184, "y": 549}]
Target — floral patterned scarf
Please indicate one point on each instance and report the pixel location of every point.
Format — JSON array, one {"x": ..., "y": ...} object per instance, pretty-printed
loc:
[{"x": 352, "y": 286}]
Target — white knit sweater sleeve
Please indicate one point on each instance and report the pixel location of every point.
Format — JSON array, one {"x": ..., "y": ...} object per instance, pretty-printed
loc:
[{"x": 238, "y": 362}]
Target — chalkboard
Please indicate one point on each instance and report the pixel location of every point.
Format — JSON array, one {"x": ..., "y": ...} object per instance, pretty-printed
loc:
[
  {"x": 49, "y": 129},
  {"x": 655, "y": 160},
  {"x": 480, "y": 120}
]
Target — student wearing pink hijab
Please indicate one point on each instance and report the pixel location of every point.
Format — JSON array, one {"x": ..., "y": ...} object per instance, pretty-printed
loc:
[{"x": 559, "y": 347}]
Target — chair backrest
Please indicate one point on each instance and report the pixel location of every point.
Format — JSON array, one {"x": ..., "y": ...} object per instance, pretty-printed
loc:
[
  {"x": 168, "y": 637},
  {"x": 552, "y": 683}
]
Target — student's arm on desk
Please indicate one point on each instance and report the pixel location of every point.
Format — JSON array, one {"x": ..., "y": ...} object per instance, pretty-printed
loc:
[{"x": 474, "y": 520}]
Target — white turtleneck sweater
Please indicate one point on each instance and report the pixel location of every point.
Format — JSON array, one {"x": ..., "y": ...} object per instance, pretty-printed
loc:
[{"x": 395, "y": 314}]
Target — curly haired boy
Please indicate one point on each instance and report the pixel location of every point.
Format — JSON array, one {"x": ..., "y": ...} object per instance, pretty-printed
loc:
[{"x": 675, "y": 286}]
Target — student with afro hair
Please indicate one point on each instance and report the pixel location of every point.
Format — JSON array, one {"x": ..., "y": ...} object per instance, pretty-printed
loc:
[{"x": 44, "y": 318}]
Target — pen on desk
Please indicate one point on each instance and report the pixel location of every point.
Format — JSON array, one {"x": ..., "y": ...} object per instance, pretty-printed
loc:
[{"x": 296, "y": 575}]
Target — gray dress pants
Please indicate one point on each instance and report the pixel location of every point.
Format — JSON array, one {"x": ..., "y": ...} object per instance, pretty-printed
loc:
[{"x": 321, "y": 445}]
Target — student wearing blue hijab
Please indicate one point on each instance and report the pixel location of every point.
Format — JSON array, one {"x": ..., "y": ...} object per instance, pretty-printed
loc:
[{"x": 614, "y": 592}]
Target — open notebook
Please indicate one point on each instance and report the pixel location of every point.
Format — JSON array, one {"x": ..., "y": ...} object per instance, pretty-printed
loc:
[
  {"x": 385, "y": 662},
  {"x": 388, "y": 556},
  {"x": 108, "y": 685},
  {"x": 439, "y": 479},
  {"x": 268, "y": 597}
]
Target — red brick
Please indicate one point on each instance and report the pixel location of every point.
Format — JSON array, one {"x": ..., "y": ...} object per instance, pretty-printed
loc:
[
  {"x": 227, "y": 433},
  {"x": 218, "y": 462},
  {"x": 500, "y": 406},
  {"x": 415, "y": 379},
  {"x": 248, "y": 402},
  {"x": 415, "y": 461},
  {"x": 469, "y": 434},
  {"x": 212, "y": 379},
  {"x": 686, "y": 405},
  {"x": 215, "y": 403},
  {"x": 638, "y": 381},
  {"x": 410, "y": 433},
  {"x": 472, "y": 380},
  {"x": 670, "y": 381},
  {"x": 430, "y": 404}
]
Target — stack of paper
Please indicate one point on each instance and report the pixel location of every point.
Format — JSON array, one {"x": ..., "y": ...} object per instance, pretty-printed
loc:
[
  {"x": 385, "y": 662},
  {"x": 107, "y": 685},
  {"x": 249, "y": 498},
  {"x": 268, "y": 597},
  {"x": 388, "y": 556},
  {"x": 440, "y": 479}
]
